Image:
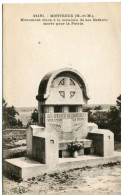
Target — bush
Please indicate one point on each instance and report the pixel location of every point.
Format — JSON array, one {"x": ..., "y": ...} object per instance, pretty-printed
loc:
[
  {"x": 9, "y": 117},
  {"x": 107, "y": 120}
]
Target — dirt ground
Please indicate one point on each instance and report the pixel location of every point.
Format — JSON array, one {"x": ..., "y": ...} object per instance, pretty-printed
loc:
[{"x": 104, "y": 179}]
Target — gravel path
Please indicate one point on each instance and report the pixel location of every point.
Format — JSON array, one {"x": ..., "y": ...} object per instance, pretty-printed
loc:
[{"x": 104, "y": 179}]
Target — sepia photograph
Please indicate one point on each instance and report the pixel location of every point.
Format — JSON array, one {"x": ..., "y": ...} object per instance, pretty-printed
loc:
[{"x": 61, "y": 101}]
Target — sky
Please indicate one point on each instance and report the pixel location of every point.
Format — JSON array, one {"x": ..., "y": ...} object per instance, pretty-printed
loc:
[{"x": 30, "y": 50}]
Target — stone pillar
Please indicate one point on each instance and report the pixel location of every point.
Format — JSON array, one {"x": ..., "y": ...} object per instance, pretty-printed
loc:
[
  {"x": 51, "y": 109},
  {"x": 29, "y": 136},
  {"x": 46, "y": 109},
  {"x": 65, "y": 109},
  {"x": 79, "y": 108},
  {"x": 39, "y": 113}
]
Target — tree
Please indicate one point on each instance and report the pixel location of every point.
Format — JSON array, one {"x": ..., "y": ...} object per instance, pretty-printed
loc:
[
  {"x": 9, "y": 117},
  {"x": 4, "y": 113},
  {"x": 107, "y": 120},
  {"x": 98, "y": 108},
  {"x": 114, "y": 120},
  {"x": 34, "y": 118},
  {"x": 100, "y": 118},
  {"x": 118, "y": 101},
  {"x": 90, "y": 115}
]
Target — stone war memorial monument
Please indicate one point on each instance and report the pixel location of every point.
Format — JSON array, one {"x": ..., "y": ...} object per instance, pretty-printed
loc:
[{"x": 62, "y": 130}]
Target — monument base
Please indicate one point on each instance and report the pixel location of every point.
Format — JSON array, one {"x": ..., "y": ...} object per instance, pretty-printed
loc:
[{"x": 25, "y": 168}]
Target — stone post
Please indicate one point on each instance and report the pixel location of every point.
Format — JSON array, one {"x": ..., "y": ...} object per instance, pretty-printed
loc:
[
  {"x": 65, "y": 109},
  {"x": 51, "y": 109},
  {"x": 46, "y": 109},
  {"x": 79, "y": 108},
  {"x": 40, "y": 118}
]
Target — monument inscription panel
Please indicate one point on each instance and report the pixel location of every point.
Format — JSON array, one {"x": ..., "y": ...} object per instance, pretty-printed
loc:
[{"x": 65, "y": 122}]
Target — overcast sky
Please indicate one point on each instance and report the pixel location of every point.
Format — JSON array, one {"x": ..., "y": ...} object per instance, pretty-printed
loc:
[{"x": 30, "y": 50}]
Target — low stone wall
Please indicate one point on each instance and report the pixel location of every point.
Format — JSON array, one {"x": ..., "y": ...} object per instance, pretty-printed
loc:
[
  {"x": 7, "y": 133},
  {"x": 15, "y": 131}
]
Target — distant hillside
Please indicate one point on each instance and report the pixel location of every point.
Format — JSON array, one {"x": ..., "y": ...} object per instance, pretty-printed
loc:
[
  {"x": 105, "y": 107},
  {"x": 25, "y": 109},
  {"x": 25, "y": 112}
]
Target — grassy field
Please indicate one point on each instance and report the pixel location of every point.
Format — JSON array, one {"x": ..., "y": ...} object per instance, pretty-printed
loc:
[{"x": 13, "y": 138}]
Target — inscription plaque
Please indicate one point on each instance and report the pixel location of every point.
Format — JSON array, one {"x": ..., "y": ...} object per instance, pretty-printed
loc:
[{"x": 65, "y": 122}]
